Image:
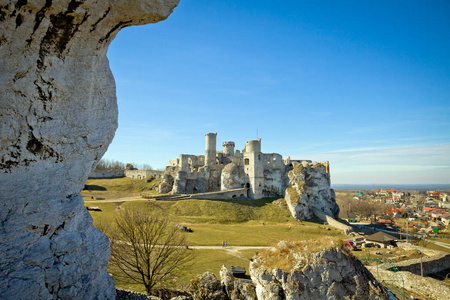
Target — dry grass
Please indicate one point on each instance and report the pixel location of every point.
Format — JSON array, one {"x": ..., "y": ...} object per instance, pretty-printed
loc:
[
  {"x": 286, "y": 254},
  {"x": 117, "y": 188}
]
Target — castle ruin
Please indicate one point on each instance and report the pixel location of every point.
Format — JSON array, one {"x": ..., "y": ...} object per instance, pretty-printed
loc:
[{"x": 261, "y": 174}]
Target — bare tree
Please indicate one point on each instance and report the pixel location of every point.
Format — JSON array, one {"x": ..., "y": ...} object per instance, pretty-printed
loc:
[
  {"x": 107, "y": 165},
  {"x": 366, "y": 209},
  {"x": 147, "y": 250}
]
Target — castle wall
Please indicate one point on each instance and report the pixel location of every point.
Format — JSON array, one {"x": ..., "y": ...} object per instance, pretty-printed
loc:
[
  {"x": 274, "y": 184},
  {"x": 142, "y": 174},
  {"x": 274, "y": 160},
  {"x": 106, "y": 174},
  {"x": 229, "y": 194}
]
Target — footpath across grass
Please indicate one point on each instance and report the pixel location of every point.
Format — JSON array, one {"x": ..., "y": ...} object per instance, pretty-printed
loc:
[{"x": 239, "y": 222}]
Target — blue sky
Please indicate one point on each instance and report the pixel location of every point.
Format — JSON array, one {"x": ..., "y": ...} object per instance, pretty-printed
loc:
[{"x": 363, "y": 84}]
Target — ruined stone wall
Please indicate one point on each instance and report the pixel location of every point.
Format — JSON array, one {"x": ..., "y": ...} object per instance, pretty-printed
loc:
[
  {"x": 432, "y": 261},
  {"x": 142, "y": 174},
  {"x": 58, "y": 115},
  {"x": 275, "y": 175},
  {"x": 426, "y": 287},
  {"x": 107, "y": 174}
]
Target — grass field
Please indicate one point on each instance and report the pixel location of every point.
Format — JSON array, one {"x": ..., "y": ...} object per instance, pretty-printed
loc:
[
  {"x": 117, "y": 188},
  {"x": 239, "y": 222}
]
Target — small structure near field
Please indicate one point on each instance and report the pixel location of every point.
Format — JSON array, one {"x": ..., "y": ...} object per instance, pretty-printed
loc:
[{"x": 381, "y": 238}]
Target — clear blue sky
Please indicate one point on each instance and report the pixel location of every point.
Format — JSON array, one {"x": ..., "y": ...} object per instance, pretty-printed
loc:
[{"x": 363, "y": 84}]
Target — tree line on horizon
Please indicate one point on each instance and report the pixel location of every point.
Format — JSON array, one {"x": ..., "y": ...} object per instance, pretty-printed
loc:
[{"x": 112, "y": 164}]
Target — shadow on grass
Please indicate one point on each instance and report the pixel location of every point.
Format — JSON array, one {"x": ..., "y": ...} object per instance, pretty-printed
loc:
[{"x": 93, "y": 187}]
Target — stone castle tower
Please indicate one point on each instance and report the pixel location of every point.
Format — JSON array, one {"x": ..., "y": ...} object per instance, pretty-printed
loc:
[
  {"x": 228, "y": 148},
  {"x": 254, "y": 168},
  {"x": 210, "y": 149}
]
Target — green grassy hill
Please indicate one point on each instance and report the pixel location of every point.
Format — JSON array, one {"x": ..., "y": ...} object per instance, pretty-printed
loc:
[{"x": 239, "y": 222}]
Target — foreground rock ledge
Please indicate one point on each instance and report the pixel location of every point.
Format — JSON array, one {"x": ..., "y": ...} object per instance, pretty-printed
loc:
[
  {"x": 314, "y": 269},
  {"x": 58, "y": 115}
]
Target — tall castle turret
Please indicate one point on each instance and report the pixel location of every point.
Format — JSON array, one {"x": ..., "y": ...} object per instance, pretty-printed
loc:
[
  {"x": 254, "y": 167},
  {"x": 210, "y": 149},
  {"x": 228, "y": 148}
]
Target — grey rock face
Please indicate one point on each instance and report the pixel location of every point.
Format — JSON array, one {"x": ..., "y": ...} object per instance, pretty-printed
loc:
[
  {"x": 309, "y": 187},
  {"x": 233, "y": 177},
  {"x": 166, "y": 184},
  {"x": 58, "y": 115},
  {"x": 235, "y": 289},
  {"x": 316, "y": 272},
  {"x": 179, "y": 184},
  {"x": 207, "y": 286}
]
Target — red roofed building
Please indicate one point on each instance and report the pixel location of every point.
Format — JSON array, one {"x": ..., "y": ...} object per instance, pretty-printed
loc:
[{"x": 392, "y": 210}]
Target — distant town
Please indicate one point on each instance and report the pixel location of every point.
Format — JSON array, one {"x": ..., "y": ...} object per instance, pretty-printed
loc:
[{"x": 418, "y": 213}]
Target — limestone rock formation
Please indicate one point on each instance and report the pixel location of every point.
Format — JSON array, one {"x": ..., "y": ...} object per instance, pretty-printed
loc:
[
  {"x": 232, "y": 177},
  {"x": 309, "y": 187},
  {"x": 207, "y": 286},
  {"x": 166, "y": 184},
  {"x": 235, "y": 289},
  {"x": 315, "y": 269},
  {"x": 179, "y": 184},
  {"x": 58, "y": 115}
]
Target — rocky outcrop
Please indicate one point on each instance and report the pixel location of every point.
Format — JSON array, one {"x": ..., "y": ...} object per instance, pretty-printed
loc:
[
  {"x": 232, "y": 177},
  {"x": 309, "y": 187},
  {"x": 189, "y": 183},
  {"x": 58, "y": 115},
  {"x": 207, "y": 286},
  {"x": 314, "y": 269},
  {"x": 235, "y": 289},
  {"x": 166, "y": 184}
]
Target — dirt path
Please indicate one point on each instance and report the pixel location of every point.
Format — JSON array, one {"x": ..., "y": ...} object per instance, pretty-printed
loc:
[
  {"x": 229, "y": 248},
  {"x": 124, "y": 199}
]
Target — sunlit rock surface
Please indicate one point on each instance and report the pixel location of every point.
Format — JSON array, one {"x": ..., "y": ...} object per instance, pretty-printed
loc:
[
  {"x": 309, "y": 187},
  {"x": 314, "y": 269},
  {"x": 58, "y": 115}
]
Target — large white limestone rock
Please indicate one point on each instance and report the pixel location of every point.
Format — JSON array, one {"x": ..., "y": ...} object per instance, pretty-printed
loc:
[
  {"x": 232, "y": 177},
  {"x": 314, "y": 269},
  {"x": 309, "y": 188},
  {"x": 58, "y": 115}
]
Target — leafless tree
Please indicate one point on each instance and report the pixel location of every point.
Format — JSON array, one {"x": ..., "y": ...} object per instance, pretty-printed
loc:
[
  {"x": 107, "y": 165},
  {"x": 147, "y": 250}
]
